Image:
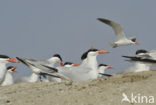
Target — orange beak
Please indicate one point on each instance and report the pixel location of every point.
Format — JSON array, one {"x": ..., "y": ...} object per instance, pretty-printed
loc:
[
  {"x": 61, "y": 63},
  {"x": 11, "y": 60},
  {"x": 103, "y": 52},
  {"x": 76, "y": 64},
  {"x": 110, "y": 67},
  {"x": 137, "y": 43},
  {"x": 14, "y": 69}
]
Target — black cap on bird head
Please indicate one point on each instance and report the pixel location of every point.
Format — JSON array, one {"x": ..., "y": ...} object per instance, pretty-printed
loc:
[
  {"x": 141, "y": 51},
  {"x": 102, "y": 65},
  {"x": 57, "y": 55},
  {"x": 10, "y": 67},
  {"x": 84, "y": 55},
  {"x": 68, "y": 63},
  {"x": 4, "y": 56}
]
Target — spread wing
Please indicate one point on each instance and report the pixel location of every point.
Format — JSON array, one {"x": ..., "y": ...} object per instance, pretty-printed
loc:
[
  {"x": 33, "y": 64},
  {"x": 116, "y": 27}
]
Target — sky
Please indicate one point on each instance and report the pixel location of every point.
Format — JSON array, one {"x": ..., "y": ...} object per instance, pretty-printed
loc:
[{"x": 40, "y": 28}]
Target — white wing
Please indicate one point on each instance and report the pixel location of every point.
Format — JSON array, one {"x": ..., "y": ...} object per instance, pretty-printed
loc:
[
  {"x": 75, "y": 73},
  {"x": 37, "y": 66},
  {"x": 116, "y": 27},
  {"x": 143, "y": 56},
  {"x": 152, "y": 54}
]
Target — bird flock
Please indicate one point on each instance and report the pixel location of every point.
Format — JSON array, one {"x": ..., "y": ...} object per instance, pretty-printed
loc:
[{"x": 46, "y": 70}]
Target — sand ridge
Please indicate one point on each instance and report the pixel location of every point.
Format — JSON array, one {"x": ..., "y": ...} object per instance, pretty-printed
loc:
[{"x": 97, "y": 92}]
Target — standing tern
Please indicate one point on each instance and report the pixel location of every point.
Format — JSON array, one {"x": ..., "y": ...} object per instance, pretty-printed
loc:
[
  {"x": 143, "y": 56},
  {"x": 66, "y": 65},
  {"x": 102, "y": 68},
  {"x": 122, "y": 40},
  {"x": 3, "y": 61},
  {"x": 54, "y": 60},
  {"x": 8, "y": 80},
  {"x": 139, "y": 67},
  {"x": 37, "y": 67},
  {"x": 70, "y": 64},
  {"x": 29, "y": 79},
  {"x": 143, "y": 60},
  {"x": 84, "y": 72}
]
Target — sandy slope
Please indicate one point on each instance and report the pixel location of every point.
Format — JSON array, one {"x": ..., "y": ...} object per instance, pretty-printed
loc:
[{"x": 99, "y": 92}]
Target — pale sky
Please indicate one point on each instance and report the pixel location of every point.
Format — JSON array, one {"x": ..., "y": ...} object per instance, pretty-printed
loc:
[{"x": 40, "y": 28}]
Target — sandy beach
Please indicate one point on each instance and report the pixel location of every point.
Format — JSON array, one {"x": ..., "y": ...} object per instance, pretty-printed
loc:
[{"x": 97, "y": 92}]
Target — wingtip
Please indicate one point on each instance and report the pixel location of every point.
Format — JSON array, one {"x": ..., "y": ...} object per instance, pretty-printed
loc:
[
  {"x": 18, "y": 58},
  {"x": 21, "y": 60},
  {"x": 104, "y": 20},
  {"x": 100, "y": 19},
  {"x": 125, "y": 56}
]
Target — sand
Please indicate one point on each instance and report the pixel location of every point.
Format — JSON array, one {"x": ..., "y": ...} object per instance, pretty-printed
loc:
[{"x": 97, "y": 92}]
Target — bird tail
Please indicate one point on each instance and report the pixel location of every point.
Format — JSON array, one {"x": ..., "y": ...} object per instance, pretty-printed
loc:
[{"x": 113, "y": 44}]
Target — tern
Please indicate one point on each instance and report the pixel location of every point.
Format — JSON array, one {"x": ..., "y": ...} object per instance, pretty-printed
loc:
[
  {"x": 30, "y": 79},
  {"x": 143, "y": 59},
  {"x": 122, "y": 40},
  {"x": 4, "y": 59},
  {"x": 86, "y": 71},
  {"x": 37, "y": 67},
  {"x": 66, "y": 65},
  {"x": 8, "y": 80},
  {"x": 102, "y": 68},
  {"x": 70, "y": 64},
  {"x": 143, "y": 56}
]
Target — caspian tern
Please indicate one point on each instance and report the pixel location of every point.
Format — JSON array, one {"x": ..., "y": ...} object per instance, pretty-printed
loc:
[
  {"x": 143, "y": 59},
  {"x": 54, "y": 60},
  {"x": 86, "y": 71},
  {"x": 30, "y": 79},
  {"x": 102, "y": 68},
  {"x": 139, "y": 67},
  {"x": 37, "y": 67},
  {"x": 143, "y": 56},
  {"x": 66, "y": 65},
  {"x": 3, "y": 61},
  {"x": 70, "y": 64},
  {"x": 122, "y": 40},
  {"x": 8, "y": 80}
]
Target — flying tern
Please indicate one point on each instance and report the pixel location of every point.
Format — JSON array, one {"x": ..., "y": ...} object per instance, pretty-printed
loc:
[{"x": 122, "y": 40}]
